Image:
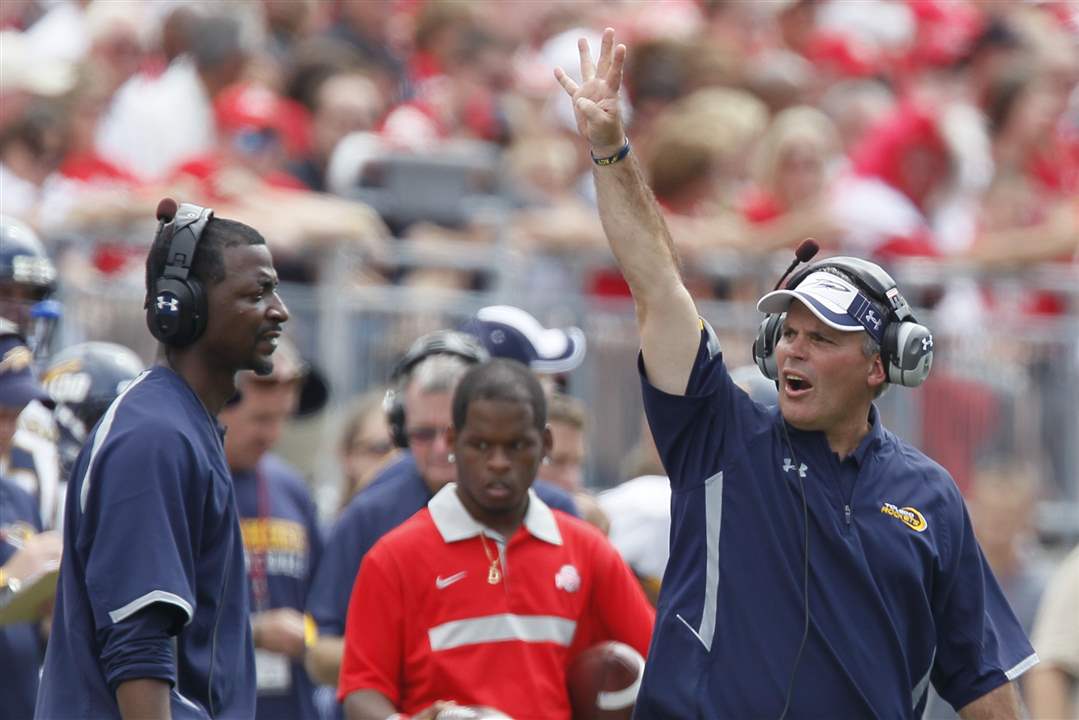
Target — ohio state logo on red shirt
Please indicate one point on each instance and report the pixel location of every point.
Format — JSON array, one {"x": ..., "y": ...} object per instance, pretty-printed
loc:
[{"x": 567, "y": 578}]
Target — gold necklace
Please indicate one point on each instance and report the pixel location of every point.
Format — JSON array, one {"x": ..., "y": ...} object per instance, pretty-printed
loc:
[{"x": 494, "y": 573}]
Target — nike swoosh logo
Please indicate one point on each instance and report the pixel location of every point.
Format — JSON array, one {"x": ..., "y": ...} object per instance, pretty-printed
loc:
[{"x": 444, "y": 582}]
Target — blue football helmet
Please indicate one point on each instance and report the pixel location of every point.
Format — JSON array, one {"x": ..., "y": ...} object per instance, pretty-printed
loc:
[
  {"x": 27, "y": 283},
  {"x": 83, "y": 380}
]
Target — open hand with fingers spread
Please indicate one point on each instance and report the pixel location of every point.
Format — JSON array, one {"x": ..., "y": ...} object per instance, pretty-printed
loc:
[{"x": 595, "y": 100}]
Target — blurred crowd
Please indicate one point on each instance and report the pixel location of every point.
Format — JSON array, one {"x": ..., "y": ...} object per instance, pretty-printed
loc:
[{"x": 882, "y": 128}]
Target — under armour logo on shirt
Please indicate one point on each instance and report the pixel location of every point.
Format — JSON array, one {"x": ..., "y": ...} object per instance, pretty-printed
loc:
[{"x": 788, "y": 466}]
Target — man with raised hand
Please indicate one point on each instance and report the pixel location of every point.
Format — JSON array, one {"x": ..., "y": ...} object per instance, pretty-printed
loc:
[{"x": 819, "y": 565}]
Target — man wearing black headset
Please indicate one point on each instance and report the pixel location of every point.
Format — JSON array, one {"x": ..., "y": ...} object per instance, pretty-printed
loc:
[
  {"x": 819, "y": 565},
  {"x": 151, "y": 617},
  {"x": 418, "y": 411}
]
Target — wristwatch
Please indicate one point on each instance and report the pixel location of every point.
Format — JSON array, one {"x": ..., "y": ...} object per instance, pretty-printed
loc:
[{"x": 9, "y": 583}]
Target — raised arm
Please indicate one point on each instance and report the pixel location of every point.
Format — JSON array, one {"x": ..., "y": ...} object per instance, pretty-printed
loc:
[
  {"x": 1001, "y": 703},
  {"x": 635, "y": 229}
]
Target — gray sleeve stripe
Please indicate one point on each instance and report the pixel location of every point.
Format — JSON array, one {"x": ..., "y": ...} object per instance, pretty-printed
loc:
[
  {"x": 713, "y": 510},
  {"x": 713, "y": 520},
  {"x": 154, "y": 596},
  {"x": 923, "y": 684},
  {"x": 99, "y": 439},
  {"x": 1028, "y": 662},
  {"x": 713, "y": 339}
]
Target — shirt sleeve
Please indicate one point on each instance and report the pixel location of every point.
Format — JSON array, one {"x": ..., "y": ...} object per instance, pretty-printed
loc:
[
  {"x": 692, "y": 430},
  {"x": 1056, "y": 630},
  {"x": 143, "y": 507},
  {"x": 374, "y": 632},
  {"x": 139, "y": 647},
  {"x": 980, "y": 643},
  {"x": 556, "y": 498},
  {"x": 327, "y": 600}
]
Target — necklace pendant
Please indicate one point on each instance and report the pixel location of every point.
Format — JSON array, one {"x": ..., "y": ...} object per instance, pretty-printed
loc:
[{"x": 494, "y": 575}]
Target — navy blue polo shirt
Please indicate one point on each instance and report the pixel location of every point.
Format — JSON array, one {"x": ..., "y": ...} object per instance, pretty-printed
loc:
[
  {"x": 151, "y": 520},
  {"x": 397, "y": 493},
  {"x": 899, "y": 591},
  {"x": 282, "y": 546},
  {"x": 21, "y": 648}
]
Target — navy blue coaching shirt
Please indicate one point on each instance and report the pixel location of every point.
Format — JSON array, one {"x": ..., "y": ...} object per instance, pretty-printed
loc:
[
  {"x": 151, "y": 525},
  {"x": 899, "y": 592}
]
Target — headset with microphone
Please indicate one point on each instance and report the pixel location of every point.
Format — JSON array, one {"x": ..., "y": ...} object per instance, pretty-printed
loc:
[
  {"x": 906, "y": 350},
  {"x": 906, "y": 346},
  {"x": 176, "y": 304}
]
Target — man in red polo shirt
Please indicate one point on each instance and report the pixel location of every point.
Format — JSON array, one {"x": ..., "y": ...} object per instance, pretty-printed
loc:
[{"x": 485, "y": 596}]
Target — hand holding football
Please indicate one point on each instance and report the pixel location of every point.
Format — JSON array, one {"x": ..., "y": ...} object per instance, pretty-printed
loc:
[{"x": 603, "y": 682}]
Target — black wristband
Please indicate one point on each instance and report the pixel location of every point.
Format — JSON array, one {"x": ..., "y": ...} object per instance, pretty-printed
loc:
[{"x": 612, "y": 159}]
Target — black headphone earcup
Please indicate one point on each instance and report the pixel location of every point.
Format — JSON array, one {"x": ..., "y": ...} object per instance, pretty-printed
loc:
[
  {"x": 176, "y": 314},
  {"x": 764, "y": 346},
  {"x": 199, "y": 307},
  {"x": 907, "y": 353},
  {"x": 394, "y": 407},
  {"x": 169, "y": 311}
]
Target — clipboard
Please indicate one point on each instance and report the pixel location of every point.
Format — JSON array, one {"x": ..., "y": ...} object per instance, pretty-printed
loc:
[{"x": 24, "y": 606}]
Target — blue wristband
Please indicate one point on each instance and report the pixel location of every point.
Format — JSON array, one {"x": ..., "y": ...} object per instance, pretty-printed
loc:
[{"x": 612, "y": 159}]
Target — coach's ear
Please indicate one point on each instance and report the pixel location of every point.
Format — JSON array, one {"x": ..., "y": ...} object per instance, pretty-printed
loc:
[{"x": 877, "y": 375}]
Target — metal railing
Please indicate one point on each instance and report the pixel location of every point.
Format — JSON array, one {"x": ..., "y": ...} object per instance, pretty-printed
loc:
[{"x": 1004, "y": 388}]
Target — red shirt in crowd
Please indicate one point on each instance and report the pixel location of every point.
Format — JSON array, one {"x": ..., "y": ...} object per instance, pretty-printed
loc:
[{"x": 424, "y": 623}]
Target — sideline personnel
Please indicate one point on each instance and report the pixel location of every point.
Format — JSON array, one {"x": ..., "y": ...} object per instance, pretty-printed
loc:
[
  {"x": 418, "y": 413},
  {"x": 152, "y": 538},
  {"x": 279, "y": 523},
  {"x": 485, "y": 596},
  {"x": 819, "y": 565}
]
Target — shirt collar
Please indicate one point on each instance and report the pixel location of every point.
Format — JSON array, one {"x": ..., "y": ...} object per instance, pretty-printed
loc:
[
  {"x": 872, "y": 438},
  {"x": 454, "y": 523},
  {"x": 818, "y": 440}
]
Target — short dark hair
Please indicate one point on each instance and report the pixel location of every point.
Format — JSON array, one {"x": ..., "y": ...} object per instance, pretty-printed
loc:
[
  {"x": 208, "y": 265},
  {"x": 503, "y": 380}
]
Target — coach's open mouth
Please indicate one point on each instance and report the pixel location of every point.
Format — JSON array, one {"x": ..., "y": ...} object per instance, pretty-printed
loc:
[{"x": 796, "y": 384}]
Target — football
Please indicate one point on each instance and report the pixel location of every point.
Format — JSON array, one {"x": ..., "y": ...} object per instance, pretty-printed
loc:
[
  {"x": 603, "y": 682},
  {"x": 471, "y": 712}
]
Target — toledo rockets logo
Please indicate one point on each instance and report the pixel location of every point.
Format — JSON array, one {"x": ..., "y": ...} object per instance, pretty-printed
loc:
[{"x": 909, "y": 516}]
